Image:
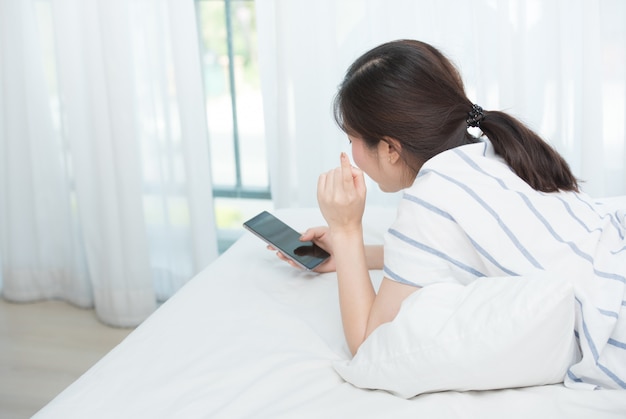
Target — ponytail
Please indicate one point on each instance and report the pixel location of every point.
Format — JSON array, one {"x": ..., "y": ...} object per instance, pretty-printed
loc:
[{"x": 530, "y": 157}]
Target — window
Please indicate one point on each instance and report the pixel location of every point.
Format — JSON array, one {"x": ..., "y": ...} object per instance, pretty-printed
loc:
[{"x": 227, "y": 30}]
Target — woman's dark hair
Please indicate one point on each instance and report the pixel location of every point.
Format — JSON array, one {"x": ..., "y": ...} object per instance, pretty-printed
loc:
[{"x": 409, "y": 91}]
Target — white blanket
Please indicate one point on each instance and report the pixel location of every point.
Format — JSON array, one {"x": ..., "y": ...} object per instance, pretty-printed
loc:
[{"x": 251, "y": 337}]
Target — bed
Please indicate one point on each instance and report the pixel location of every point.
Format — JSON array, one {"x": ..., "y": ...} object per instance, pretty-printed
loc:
[{"x": 251, "y": 337}]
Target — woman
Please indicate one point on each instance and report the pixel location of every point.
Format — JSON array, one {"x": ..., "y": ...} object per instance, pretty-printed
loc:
[{"x": 504, "y": 205}]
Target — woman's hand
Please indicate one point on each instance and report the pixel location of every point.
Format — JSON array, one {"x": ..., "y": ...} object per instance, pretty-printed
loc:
[
  {"x": 341, "y": 196},
  {"x": 319, "y": 236}
]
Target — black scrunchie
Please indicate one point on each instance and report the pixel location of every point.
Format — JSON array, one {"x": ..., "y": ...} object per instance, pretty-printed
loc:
[{"x": 475, "y": 116}]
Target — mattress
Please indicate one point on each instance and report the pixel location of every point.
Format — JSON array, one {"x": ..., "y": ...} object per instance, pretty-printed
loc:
[{"x": 250, "y": 336}]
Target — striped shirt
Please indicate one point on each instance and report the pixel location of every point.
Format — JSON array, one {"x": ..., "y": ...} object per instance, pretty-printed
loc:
[{"x": 468, "y": 215}]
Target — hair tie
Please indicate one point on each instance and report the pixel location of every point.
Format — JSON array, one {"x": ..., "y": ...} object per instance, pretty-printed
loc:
[{"x": 475, "y": 116}]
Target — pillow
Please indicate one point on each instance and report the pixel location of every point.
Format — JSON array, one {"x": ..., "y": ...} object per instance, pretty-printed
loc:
[{"x": 493, "y": 333}]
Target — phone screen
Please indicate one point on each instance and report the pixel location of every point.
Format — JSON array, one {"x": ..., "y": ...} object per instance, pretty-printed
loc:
[{"x": 284, "y": 238}]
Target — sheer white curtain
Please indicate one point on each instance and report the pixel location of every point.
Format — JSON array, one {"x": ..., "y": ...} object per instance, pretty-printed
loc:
[
  {"x": 105, "y": 192},
  {"x": 559, "y": 65}
]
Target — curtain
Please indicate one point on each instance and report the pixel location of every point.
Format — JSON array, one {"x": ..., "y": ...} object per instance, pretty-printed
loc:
[
  {"x": 105, "y": 189},
  {"x": 559, "y": 66}
]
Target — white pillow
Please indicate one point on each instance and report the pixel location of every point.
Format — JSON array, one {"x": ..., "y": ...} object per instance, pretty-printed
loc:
[{"x": 493, "y": 333}]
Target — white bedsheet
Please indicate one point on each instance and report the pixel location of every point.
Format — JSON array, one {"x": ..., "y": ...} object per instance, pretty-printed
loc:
[{"x": 252, "y": 337}]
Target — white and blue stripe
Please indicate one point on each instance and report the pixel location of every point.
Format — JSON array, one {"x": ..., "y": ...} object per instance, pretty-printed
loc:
[{"x": 468, "y": 215}]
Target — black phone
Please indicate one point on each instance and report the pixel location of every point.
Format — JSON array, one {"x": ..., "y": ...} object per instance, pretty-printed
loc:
[{"x": 284, "y": 238}]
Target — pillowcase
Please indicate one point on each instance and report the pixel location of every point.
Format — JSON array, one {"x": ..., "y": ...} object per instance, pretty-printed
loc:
[{"x": 493, "y": 333}]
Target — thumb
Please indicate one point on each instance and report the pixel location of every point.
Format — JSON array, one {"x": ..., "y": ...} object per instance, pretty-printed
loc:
[
  {"x": 308, "y": 235},
  {"x": 354, "y": 174},
  {"x": 358, "y": 179}
]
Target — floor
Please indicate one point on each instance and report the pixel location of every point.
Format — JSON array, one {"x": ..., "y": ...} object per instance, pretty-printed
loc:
[{"x": 44, "y": 347}]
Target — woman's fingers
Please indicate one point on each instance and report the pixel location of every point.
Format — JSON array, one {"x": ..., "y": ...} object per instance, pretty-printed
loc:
[
  {"x": 338, "y": 185},
  {"x": 341, "y": 195},
  {"x": 284, "y": 258}
]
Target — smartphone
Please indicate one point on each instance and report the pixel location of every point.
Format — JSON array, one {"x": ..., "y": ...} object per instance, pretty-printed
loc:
[{"x": 306, "y": 254}]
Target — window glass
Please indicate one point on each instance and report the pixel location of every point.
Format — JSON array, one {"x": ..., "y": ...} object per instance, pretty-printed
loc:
[{"x": 229, "y": 56}]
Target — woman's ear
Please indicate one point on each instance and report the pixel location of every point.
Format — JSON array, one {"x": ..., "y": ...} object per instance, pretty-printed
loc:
[{"x": 391, "y": 149}]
